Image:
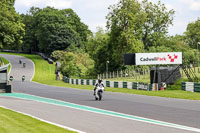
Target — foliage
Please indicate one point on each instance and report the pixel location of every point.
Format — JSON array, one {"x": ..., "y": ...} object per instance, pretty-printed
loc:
[
  {"x": 51, "y": 29},
  {"x": 124, "y": 22},
  {"x": 11, "y": 27},
  {"x": 97, "y": 49},
  {"x": 192, "y": 34},
  {"x": 30, "y": 42},
  {"x": 177, "y": 44},
  {"x": 4, "y": 62},
  {"x": 157, "y": 21},
  {"x": 74, "y": 64},
  {"x": 52, "y": 32},
  {"x": 96, "y": 41},
  {"x": 80, "y": 28},
  {"x": 134, "y": 26}
]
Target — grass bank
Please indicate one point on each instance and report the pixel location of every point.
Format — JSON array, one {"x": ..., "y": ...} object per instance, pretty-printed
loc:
[
  {"x": 44, "y": 73},
  {"x": 6, "y": 62},
  {"x": 13, "y": 122}
]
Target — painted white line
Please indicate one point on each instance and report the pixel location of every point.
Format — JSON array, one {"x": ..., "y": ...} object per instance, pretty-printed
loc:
[
  {"x": 141, "y": 119},
  {"x": 65, "y": 127}
]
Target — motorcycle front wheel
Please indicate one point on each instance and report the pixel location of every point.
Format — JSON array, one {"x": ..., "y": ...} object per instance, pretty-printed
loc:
[{"x": 100, "y": 95}]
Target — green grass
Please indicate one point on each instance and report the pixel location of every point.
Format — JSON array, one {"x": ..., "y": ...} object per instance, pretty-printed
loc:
[
  {"x": 6, "y": 62},
  {"x": 13, "y": 122},
  {"x": 45, "y": 75}
]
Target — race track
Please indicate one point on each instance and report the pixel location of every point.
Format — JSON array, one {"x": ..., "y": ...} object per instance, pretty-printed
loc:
[{"x": 182, "y": 112}]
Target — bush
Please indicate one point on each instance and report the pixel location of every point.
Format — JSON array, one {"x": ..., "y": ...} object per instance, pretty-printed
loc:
[{"x": 74, "y": 64}]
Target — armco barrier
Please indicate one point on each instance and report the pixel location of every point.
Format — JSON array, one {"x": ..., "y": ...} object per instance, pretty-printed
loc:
[
  {"x": 190, "y": 86},
  {"x": 143, "y": 86},
  {"x": 135, "y": 85},
  {"x": 82, "y": 82},
  {"x": 113, "y": 84},
  {"x": 88, "y": 82},
  {"x": 150, "y": 87},
  {"x": 125, "y": 85},
  {"x": 129, "y": 85},
  {"x": 93, "y": 82},
  {"x": 196, "y": 87},
  {"x": 65, "y": 79},
  {"x": 107, "y": 83},
  {"x": 183, "y": 86}
]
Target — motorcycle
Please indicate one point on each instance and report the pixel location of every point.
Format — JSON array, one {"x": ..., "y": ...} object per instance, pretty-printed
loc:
[
  {"x": 98, "y": 93},
  {"x": 24, "y": 65}
]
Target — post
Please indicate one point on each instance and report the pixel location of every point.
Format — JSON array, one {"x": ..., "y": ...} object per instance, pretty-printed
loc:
[
  {"x": 107, "y": 62},
  {"x": 198, "y": 54}
]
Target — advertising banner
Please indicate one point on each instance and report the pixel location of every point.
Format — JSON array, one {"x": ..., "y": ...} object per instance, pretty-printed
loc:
[{"x": 158, "y": 58}]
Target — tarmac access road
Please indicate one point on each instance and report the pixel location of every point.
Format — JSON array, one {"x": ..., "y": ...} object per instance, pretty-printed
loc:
[{"x": 176, "y": 111}]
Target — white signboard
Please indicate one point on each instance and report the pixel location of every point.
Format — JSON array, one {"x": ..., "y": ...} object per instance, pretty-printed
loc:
[{"x": 158, "y": 58}]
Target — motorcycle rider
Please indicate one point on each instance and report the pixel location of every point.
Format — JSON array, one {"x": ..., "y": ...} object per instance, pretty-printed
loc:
[{"x": 99, "y": 83}]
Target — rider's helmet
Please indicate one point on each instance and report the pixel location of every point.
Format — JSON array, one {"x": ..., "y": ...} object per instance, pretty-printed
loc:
[{"x": 99, "y": 81}]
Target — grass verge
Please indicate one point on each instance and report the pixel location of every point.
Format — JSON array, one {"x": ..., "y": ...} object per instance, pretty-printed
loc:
[
  {"x": 6, "y": 62},
  {"x": 13, "y": 122},
  {"x": 44, "y": 73}
]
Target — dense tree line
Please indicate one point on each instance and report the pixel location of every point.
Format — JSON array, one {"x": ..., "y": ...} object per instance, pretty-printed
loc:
[
  {"x": 51, "y": 29},
  {"x": 11, "y": 27},
  {"x": 132, "y": 26}
]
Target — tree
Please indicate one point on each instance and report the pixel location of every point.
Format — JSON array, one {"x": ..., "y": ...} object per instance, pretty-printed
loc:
[
  {"x": 177, "y": 44},
  {"x": 74, "y": 64},
  {"x": 30, "y": 42},
  {"x": 124, "y": 22},
  {"x": 97, "y": 41},
  {"x": 192, "y": 34},
  {"x": 134, "y": 26},
  {"x": 51, "y": 29},
  {"x": 156, "y": 24},
  {"x": 79, "y": 27},
  {"x": 11, "y": 27}
]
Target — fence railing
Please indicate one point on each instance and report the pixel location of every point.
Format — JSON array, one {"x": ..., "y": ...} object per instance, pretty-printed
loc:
[
  {"x": 136, "y": 74},
  {"x": 139, "y": 75}
]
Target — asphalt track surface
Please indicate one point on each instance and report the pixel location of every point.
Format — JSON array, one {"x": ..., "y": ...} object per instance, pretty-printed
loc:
[{"x": 183, "y": 112}]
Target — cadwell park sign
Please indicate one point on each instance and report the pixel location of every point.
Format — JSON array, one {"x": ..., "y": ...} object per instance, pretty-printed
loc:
[{"x": 153, "y": 58}]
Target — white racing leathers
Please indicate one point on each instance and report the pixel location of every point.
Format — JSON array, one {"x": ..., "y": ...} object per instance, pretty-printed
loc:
[{"x": 98, "y": 92}]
